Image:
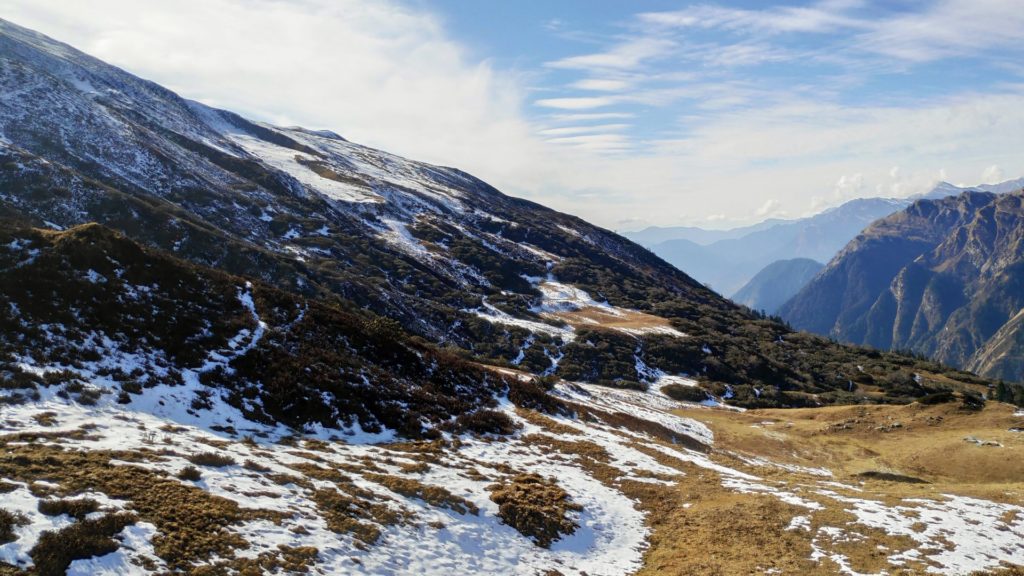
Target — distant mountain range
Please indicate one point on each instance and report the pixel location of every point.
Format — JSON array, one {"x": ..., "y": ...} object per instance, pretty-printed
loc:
[
  {"x": 944, "y": 278},
  {"x": 727, "y": 259},
  {"x": 776, "y": 283}
]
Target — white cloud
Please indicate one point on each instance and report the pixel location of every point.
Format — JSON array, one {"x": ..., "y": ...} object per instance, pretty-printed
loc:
[
  {"x": 993, "y": 175},
  {"x": 571, "y": 130},
  {"x": 387, "y": 75},
  {"x": 581, "y": 103},
  {"x": 769, "y": 208},
  {"x": 601, "y": 85},
  {"x": 823, "y": 17},
  {"x": 947, "y": 28},
  {"x": 586, "y": 117},
  {"x": 626, "y": 55}
]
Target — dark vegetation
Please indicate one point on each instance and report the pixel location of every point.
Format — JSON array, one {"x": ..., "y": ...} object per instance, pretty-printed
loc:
[
  {"x": 56, "y": 550},
  {"x": 8, "y": 522},
  {"x": 316, "y": 363},
  {"x": 535, "y": 506},
  {"x": 77, "y": 508},
  {"x": 211, "y": 460},
  {"x": 231, "y": 212}
]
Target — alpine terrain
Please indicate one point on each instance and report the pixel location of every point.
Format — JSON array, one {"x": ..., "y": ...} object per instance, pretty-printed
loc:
[
  {"x": 941, "y": 278},
  {"x": 228, "y": 347}
]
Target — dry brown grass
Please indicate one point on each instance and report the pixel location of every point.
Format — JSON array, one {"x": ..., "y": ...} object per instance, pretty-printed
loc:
[
  {"x": 698, "y": 527},
  {"x": 358, "y": 514},
  {"x": 56, "y": 550},
  {"x": 192, "y": 524},
  {"x": 595, "y": 317},
  {"x": 433, "y": 495},
  {"x": 927, "y": 444}
]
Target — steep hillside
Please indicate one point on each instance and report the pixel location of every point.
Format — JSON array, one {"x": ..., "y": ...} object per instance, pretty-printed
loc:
[
  {"x": 942, "y": 278},
  {"x": 498, "y": 280},
  {"x": 94, "y": 314},
  {"x": 776, "y": 283},
  {"x": 162, "y": 417}
]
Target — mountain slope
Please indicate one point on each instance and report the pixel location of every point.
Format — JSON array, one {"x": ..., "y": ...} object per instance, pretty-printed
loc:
[
  {"x": 88, "y": 305},
  {"x": 213, "y": 389},
  {"x": 941, "y": 278},
  {"x": 453, "y": 260},
  {"x": 776, "y": 283},
  {"x": 656, "y": 234}
]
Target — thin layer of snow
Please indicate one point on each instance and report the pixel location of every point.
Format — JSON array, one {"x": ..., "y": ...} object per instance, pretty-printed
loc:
[
  {"x": 559, "y": 297},
  {"x": 287, "y": 161},
  {"x": 493, "y": 314}
]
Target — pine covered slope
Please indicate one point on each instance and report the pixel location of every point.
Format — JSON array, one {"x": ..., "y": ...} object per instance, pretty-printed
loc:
[{"x": 942, "y": 278}]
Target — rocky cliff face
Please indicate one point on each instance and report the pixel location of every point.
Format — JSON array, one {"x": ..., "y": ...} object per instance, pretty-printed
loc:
[{"x": 942, "y": 278}]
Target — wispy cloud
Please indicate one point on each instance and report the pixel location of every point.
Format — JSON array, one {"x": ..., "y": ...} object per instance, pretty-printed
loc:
[
  {"x": 594, "y": 128},
  {"x": 579, "y": 103},
  {"x": 818, "y": 18},
  {"x": 626, "y": 55},
  {"x": 948, "y": 28},
  {"x": 601, "y": 85},
  {"x": 587, "y": 117}
]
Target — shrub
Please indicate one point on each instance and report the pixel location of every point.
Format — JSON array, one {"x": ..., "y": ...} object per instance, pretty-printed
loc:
[
  {"x": 486, "y": 422},
  {"x": 684, "y": 393},
  {"x": 8, "y": 522},
  {"x": 937, "y": 398},
  {"x": 531, "y": 394},
  {"x": 211, "y": 459},
  {"x": 56, "y": 550},
  {"x": 190, "y": 474},
  {"x": 76, "y": 508},
  {"x": 538, "y": 508},
  {"x": 972, "y": 401}
]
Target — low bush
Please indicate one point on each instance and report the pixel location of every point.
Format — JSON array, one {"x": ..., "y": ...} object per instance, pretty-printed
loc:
[
  {"x": 533, "y": 395},
  {"x": 8, "y": 522},
  {"x": 190, "y": 474},
  {"x": 56, "y": 550},
  {"x": 684, "y": 393},
  {"x": 74, "y": 507},
  {"x": 211, "y": 459},
  {"x": 485, "y": 422},
  {"x": 538, "y": 508},
  {"x": 937, "y": 398},
  {"x": 972, "y": 401}
]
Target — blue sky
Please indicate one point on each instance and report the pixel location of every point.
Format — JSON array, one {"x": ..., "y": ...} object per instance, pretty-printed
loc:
[{"x": 626, "y": 113}]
